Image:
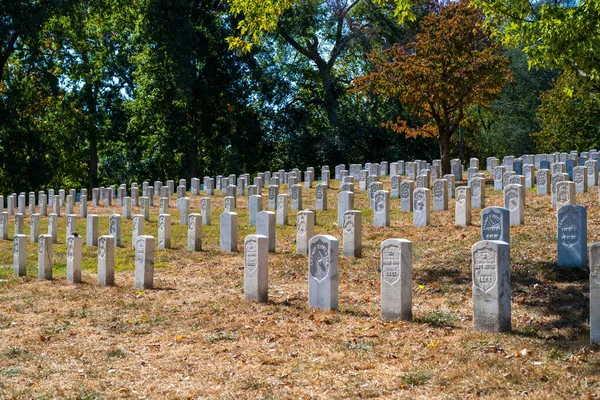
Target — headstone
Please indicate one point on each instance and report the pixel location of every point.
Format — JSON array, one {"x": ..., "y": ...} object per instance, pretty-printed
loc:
[
  {"x": 34, "y": 229},
  {"x": 31, "y": 204},
  {"x": 373, "y": 188},
  {"x": 395, "y": 185},
  {"x": 491, "y": 286},
  {"x": 45, "y": 257},
  {"x": 137, "y": 228},
  {"x": 74, "y": 258},
  {"x": 19, "y": 224},
  {"x": 592, "y": 172},
  {"x": 440, "y": 195},
  {"x": 164, "y": 231},
  {"x": 135, "y": 196},
  {"x": 569, "y": 165},
  {"x": 407, "y": 189},
  {"x": 106, "y": 260},
  {"x": 144, "y": 262},
  {"x": 556, "y": 178},
  {"x": 91, "y": 230},
  {"x": 296, "y": 197},
  {"x": 145, "y": 208},
  {"x": 305, "y": 230},
  {"x": 528, "y": 172},
  {"x": 265, "y": 226},
  {"x": 194, "y": 242},
  {"x": 506, "y": 178},
  {"x": 53, "y": 227},
  {"x": 228, "y": 232},
  {"x": 282, "y": 209},
  {"x": 543, "y": 182},
  {"x": 114, "y": 228},
  {"x": 56, "y": 206},
  {"x": 381, "y": 209},
  {"x": 323, "y": 272},
  {"x": 345, "y": 203},
  {"x": 396, "y": 280},
  {"x": 462, "y": 211},
  {"x": 4, "y": 225},
  {"x": 184, "y": 210},
  {"x": 514, "y": 201},
  {"x": 580, "y": 178},
  {"x": 256, "y": 275},
  {"x": 21, "y": 204},
  {"x": 495, "y": 224},
  {"x": 10, "y": 205},
  {"x": 595, "y": 293},
  {"x": 206, "y": 210},
  {"x": 273, "y": 193},
  {"x": 127, "y": 207},
  {"x": 477, "y": 192},
  {"x": 321, "y": 196},
  {"x": 565, "y": 194},
  {"x": 422, "y": 207},
  {"x": 44, "y": 204},
  {"x": 572, "y": 236},
  {"x": 71, "y": 225},
  {"x": 163, "y": 205},
  {"x": 20, "y": 255}
]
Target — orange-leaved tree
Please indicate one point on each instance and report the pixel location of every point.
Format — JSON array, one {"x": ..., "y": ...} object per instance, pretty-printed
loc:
[{"x": 452, "y": 64}]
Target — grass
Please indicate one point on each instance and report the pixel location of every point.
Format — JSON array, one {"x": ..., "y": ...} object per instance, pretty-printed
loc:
[{"x": 194, "y": 336}]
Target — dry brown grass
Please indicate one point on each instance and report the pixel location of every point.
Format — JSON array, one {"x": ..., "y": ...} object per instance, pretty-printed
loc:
[{"x": 196, "y": 337}]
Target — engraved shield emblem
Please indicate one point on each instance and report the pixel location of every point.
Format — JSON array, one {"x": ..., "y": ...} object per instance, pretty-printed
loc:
[
  {"x": 319, "y": 261},
  {"x": 512, "y": 195},
  {"x": 379, "y": 202},
  {"x": 492, "y": 226},
  {"x": 461, "y": 196},
  {"x": 419, "y": 201},
  {"x": 348, "y": 223},
  {"x": 484, "y": 269}
]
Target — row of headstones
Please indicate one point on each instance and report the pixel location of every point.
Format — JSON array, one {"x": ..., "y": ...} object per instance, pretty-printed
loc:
[
  {"x": 144, "y": 259},
  {"x": 491, "y": 290}
]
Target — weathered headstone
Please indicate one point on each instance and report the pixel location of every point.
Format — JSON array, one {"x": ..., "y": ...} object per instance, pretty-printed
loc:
[
  {"x": 282, "y": 209},
  {"x": 144, "y": 262},
  {"x": 34, "y": 228},
  {"x": 265, "y": 226},
  {"x": 514, "y": 201},
  {"x": 305, "y": 230},
  {"x": 407, "y": 189},
  {"x": 352, "y": 234},
  {"x": 228, "y": 234},
  {"x": 45, "y": 257},
  {"x": 323, "y": 253},
  {"x": 106, "y": 260},
  {"x": 491, "y": 286},
  {"x": 194, "y": 238},
  {"x": 4, "y": 225},
  {"x": 164, "y": 231},
  {"x": 580, "y": 176},
  {"x": 595, "y": 293},
  {"x": 53, "y": 227},
  {"x": 71, "y": 225},
  {"x": 556, "y": 178},
  {"x": 495, "y": 224},
  {"x": 145, "y": 208},
  {"x": 256, "y": 268},
  {"x": 296, "y": 192},
  {"x": 345, "y": 203},
  {"x": 565, "y": 194},
  {"x": 321, "y": 197},
  {"x": 422, "y": 207},
  {"x": 74, "y": 258},
  {"x": 572, "y": 236},
  {"x": 396, "y": 280},
  {"x": 184, "y": 210},
  {"x": 206, "y": 210},
  {"x": 20, "y": 255},
  {"x": 440, "y": 195},
  {"x": 138, "y": 228},
  {"x": 462, "y": 211},
  {"x": 163, "y": 205},
  {"x": 114, "y": 228},
  {"x": 477, "y": 192},
  {"x": 273, "y": 193},
  {"x": 395, "y": 185},
  {"x": 91, "y": 230},
  {"x": 543, "y": 182}
]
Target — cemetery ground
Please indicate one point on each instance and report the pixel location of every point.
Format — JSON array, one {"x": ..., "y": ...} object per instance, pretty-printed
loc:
[{"x": 194, "y": 336}]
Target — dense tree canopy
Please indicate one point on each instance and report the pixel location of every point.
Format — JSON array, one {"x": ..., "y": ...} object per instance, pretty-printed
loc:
[
  {"x": 100, "y": 92},
  {"x": 451, "y": 65}
]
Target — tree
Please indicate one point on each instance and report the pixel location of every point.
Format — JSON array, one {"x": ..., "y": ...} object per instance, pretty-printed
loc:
[
  {"x": 561, "y": 34},
  {"x": 322, "y": 31},
  {"x": 569, "y": 116},
  {"x": 452, "y": 64}
]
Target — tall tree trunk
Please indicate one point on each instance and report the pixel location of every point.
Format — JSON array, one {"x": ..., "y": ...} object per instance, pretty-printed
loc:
[
  {"x": 331, "y": 97},
  {"x": 444, "y": 141},
  {"x": 92, "y": 136},
  {"x": 192, "y": 150}
]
